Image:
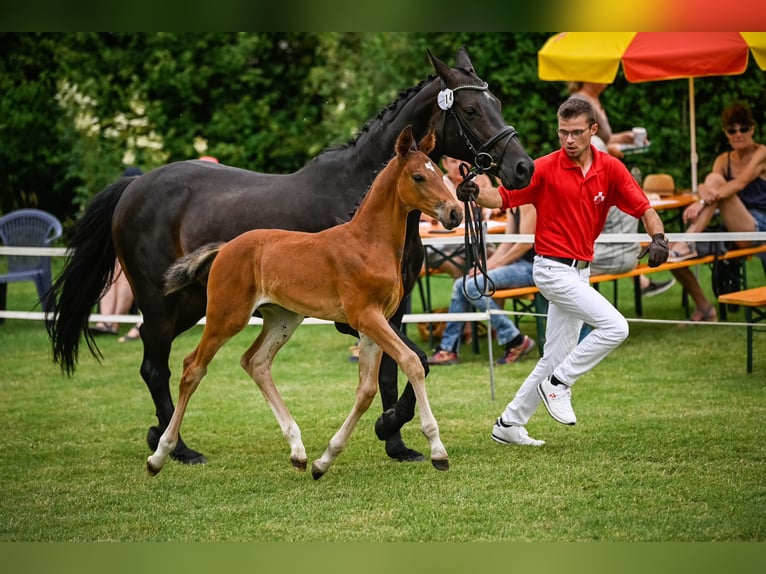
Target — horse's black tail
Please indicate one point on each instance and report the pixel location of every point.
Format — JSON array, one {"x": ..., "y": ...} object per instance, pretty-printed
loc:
[
  {"x": 191, "y": 268},
  {"x": 86, "y": 275}
]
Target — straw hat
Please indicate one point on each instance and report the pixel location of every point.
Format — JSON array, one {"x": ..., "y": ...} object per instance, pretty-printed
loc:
[{"x": 660, "y": 183}]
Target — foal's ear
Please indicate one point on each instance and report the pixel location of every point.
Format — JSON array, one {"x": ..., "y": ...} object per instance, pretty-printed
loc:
[
  {"x": 428, "y": 143},
  {"x": 406, "y": 142}
]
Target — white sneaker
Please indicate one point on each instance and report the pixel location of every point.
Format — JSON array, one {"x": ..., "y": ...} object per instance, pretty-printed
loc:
[
  {"x": 513, "y": 434},
  {"x": 558, "y": 400}
]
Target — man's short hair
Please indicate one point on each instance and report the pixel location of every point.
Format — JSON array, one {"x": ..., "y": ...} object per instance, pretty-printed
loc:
[{"x": 577, "y": 106}]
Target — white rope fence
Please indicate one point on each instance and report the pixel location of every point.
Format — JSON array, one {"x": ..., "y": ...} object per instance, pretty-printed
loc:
[
  {"x": 418, "y": 317},
  {"x": 433, "y": 317}
]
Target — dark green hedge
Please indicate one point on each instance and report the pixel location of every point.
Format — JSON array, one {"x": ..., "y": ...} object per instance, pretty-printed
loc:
[{"x": 271, "y": 101}]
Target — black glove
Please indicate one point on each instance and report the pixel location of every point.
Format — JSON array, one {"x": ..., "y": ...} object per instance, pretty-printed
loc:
[
  {"x": 467, "y": 190},
  {"x": 657, "y": 249}
]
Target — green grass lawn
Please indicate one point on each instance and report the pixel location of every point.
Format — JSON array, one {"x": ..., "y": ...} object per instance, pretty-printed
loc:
[{"x": 670, "y": 445}]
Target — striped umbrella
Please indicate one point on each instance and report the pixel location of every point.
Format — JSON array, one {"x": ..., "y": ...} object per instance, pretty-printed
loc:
[{"x": 649, "y": 56}]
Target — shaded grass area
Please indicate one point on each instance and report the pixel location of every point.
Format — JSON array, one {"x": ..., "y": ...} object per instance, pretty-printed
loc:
[{"x": 669, "y": 446}]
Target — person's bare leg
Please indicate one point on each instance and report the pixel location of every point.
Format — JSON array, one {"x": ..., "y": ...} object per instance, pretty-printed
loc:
[
  {"x": 118, "y": 298},
  {"x": 705, "y": 310},
  {"x": 736, "y": 217}
]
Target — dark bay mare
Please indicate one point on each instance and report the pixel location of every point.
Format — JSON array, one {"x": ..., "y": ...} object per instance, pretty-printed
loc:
[
  {"x": 151, "y": 220},
  {"x": 350, "y": 273}
]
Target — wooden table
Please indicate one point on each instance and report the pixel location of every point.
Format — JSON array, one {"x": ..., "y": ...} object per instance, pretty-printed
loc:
[
  {"x": 754, "y": 302},
  {"x": 672, "y": 208}
]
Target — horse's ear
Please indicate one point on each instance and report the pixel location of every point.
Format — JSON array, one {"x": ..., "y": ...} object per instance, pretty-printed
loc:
[
  {"x": 428, "y": 143},
  {"x": 405, "y": 142},
  {"x": 464, "y": 60},
  {"x": 441, "y": 68}
]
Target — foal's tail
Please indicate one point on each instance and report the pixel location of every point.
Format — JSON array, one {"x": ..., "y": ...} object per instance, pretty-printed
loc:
[
  {"x": 85, "y": 276},
  {"x": 191, "y": 268}
]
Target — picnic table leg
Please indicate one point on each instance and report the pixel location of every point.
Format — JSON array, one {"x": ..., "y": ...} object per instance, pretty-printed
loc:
[
  {"x": 749, "y": 319},
  {"x": 541, "y": 308}
]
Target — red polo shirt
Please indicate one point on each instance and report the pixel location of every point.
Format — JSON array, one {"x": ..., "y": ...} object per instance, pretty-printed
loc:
[{"x": 572, "y": 208}]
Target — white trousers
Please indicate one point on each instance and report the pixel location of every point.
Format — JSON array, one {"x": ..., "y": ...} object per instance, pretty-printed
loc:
[{"x": 571, "y": 302}]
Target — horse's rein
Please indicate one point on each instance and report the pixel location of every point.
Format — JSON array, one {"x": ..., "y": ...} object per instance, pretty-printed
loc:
[{"x": 475, "y": 244}]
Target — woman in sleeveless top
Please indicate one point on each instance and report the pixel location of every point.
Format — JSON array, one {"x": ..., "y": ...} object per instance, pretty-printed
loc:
[{"x": 736, "y": 188}]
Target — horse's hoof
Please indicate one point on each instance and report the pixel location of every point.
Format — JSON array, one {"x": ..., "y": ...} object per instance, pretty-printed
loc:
[
  {"x": 151, "y": 469},
  {"x": 316, "y": 474},
  {"x": 181, "y": 453},
  {"x": 442, "y": 464},
  {"x": 387, "y": 425},
  {"x": 298, "y": 463},
  {"x": 185, "y": 455},
  {"x": 396, "y": 449}
]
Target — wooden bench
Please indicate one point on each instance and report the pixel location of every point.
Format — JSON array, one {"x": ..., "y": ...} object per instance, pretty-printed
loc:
[
  {"x": 754, "y": 302},
  {"x": 528, "y": 300}
]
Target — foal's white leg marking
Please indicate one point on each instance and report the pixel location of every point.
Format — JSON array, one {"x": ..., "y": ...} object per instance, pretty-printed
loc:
[
  {"x": 214, "y": 336},
  {"x": 190, "y": 379},
  {"x": 369, "y": 364},
  {"x": 409, "y": 362},
  {"x": 278, "y": 326}
]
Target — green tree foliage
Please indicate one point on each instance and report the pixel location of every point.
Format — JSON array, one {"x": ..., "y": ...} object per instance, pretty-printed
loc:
[{"x": 77, "y": 108}]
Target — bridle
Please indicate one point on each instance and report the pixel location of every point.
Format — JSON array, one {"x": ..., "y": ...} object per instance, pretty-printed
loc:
[
  {"x": 482, "y": 162},
  {"x": 482, "y": 159}
]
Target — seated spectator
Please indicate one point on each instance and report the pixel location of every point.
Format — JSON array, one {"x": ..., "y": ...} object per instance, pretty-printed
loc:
[
  {"x": 118, "y": 298},
  {"x": 448, "y": 259},
  {"x": 605, "y": 140},
  {"x": 736, "y": 189},
  {"x": 616, "y": 258},
  {"x": 508, "y": 267}
]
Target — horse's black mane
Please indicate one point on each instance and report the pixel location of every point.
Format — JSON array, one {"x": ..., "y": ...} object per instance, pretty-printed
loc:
[{"x": 404, "y": 96}]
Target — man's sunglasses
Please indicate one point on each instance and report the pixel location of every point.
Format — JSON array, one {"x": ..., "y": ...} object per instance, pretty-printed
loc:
[{"x": 741, "y": 129}]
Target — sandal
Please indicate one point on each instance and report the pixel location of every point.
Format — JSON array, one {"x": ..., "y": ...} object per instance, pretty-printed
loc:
[
  {"x": 133, "y": 335},
  {"x": 675, "y": 256},
  {"x": 708, "y": 315},
  {"x": 102, "y": 329}
]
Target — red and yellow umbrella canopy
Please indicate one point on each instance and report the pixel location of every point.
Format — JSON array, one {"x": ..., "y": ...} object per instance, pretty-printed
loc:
[{"x": 647, "y": 56}]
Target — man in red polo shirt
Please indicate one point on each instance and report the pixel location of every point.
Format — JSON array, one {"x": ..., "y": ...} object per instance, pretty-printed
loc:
[{"x": 572, "y": 190}]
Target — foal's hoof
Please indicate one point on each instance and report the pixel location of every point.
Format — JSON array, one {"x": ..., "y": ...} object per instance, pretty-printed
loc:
[
  {"x": 442, "y": 464},
  {"x": 298, "y": 463},
  {"x": 181, "y": 453},
  {"x": 396, "y": 449},
  {"x": 316, "y": 474},
  {"x": 151, "y": 469}
]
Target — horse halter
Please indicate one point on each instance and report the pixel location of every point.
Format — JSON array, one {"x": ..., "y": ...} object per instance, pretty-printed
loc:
[{"x": 482, "y": 159}]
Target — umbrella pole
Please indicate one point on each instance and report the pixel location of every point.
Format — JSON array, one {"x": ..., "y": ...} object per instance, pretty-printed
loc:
[{"x": 693, "y": 133}]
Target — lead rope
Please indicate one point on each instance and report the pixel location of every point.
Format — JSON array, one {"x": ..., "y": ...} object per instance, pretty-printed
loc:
[{"x": 475, "y": 244}]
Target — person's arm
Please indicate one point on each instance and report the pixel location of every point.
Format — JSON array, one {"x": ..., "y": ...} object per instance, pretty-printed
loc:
[
  {"x": 508, "y": 253},
  {"x": 658, "y": 249},
  {"x": 484, "y": 196},
  {"x": 751, "y": 171}
]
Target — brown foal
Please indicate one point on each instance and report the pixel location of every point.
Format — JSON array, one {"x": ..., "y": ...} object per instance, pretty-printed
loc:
[{"x": 349, "y": 273}]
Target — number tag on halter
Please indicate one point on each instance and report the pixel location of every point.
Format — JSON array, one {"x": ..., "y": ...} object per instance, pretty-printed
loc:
[{"x": 445, "y": 99}]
